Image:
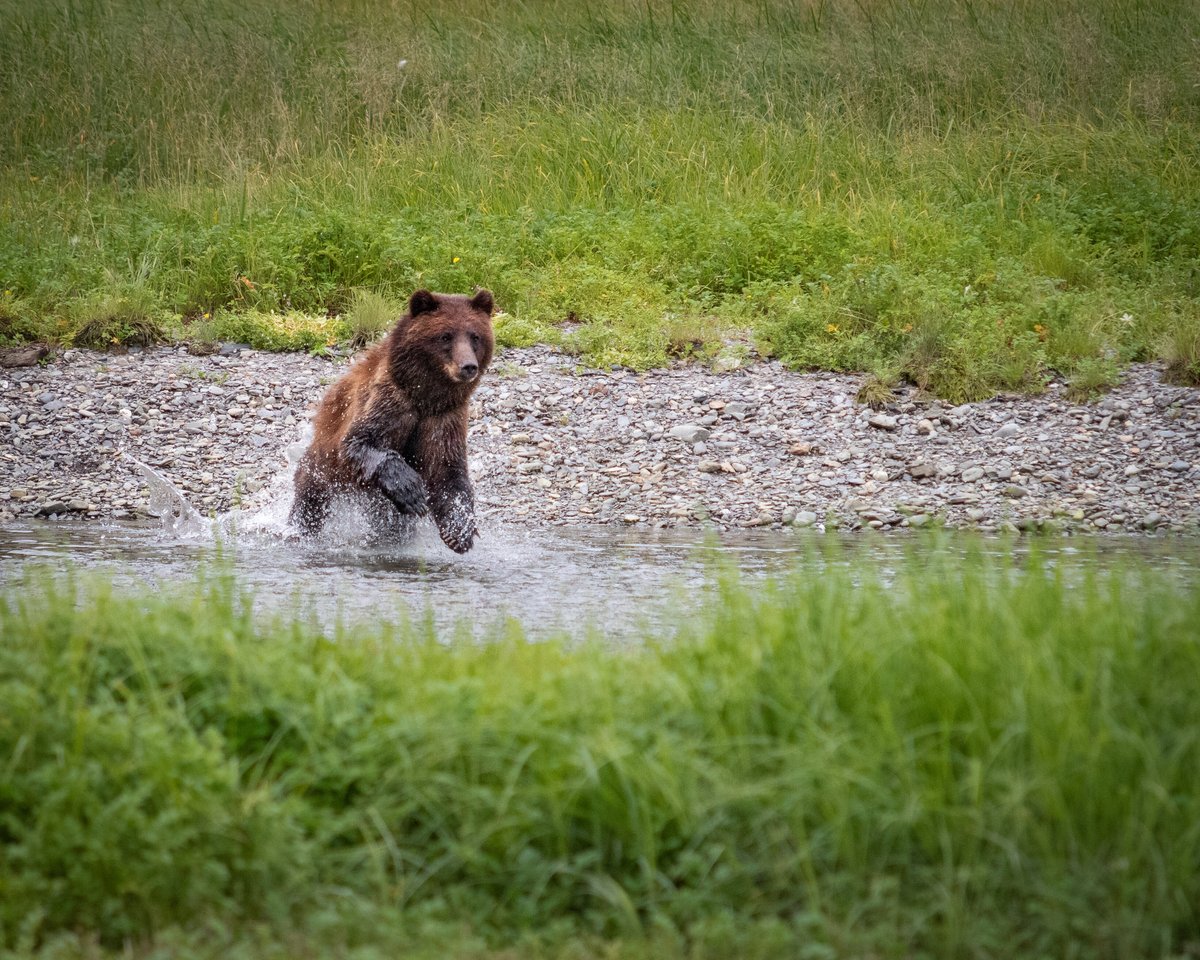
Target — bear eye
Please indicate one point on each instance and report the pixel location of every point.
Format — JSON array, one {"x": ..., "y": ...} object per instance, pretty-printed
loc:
[
  {"x": 474, "y": 339},
  {"x": 446, "y": 337}
]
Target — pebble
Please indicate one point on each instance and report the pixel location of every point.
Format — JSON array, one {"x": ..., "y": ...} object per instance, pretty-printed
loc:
[
  {"x": 761, "y": 446},
  {"x": 690, "y": 433}
]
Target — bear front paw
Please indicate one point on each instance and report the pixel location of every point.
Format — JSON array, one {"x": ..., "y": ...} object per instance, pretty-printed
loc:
[
  {"x": 461, "y": 539},
  {"x": 458, "y": 530},
  {"x": 401, "y": 484}
]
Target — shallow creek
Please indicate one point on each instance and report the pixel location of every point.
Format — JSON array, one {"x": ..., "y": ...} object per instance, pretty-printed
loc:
[{"x": 621, "y": 583}]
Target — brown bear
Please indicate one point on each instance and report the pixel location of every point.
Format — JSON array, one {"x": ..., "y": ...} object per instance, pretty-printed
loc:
[{"x": 396, "y": 423}]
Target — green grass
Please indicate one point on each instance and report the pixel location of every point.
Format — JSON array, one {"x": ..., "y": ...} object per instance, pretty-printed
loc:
[
  {"x": 983, "y": 758},
  {"x": 972, "y": 196}
]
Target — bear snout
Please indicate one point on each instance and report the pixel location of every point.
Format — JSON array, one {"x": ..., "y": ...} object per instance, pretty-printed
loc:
[{"x": 468, "y": 371}]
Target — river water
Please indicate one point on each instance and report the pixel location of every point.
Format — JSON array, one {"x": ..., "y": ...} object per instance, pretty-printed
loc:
[{"x": 622, "y": 582}]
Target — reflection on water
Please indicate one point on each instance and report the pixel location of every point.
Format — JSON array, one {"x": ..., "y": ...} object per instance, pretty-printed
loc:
[{"x": 556, "y": 579}]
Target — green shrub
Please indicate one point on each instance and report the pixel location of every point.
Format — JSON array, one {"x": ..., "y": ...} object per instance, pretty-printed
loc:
[
  {"x": 370, "y": 316},
  {"x": 107, "y": 319},
  {"x": 1180, "y": 349}
]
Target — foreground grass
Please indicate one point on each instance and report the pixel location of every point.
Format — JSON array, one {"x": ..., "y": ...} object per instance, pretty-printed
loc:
[
  {"x": 979, "y": 759},
  {"x": 969, "y": 196}
]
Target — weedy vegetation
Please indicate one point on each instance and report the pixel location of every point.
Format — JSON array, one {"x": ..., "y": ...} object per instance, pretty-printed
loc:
[
  {"x": 968, "y": 757},
  {"x": 974, "y": 196}
]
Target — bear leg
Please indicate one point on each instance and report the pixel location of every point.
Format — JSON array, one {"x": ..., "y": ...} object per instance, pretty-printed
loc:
[{"x": 310, "y": 508}]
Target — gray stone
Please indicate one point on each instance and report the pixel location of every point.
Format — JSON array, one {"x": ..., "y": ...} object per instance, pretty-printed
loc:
[
  {"x": 805, "y": 518},
  {"x": 1009, "y": 429},
  {"x": 23, "y": 356},
  {"x": 972, "y": 474},
  {"x": 690, "y": 433},
  {"x": 882, "y": 421}
]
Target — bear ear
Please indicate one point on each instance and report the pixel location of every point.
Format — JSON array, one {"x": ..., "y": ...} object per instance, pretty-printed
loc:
[
  {"x": 422, "y": 302},
  {"x": 483, "y": 301}
]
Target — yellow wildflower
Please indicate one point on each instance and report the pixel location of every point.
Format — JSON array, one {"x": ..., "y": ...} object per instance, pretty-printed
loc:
[{"x": 831, "y": 328}]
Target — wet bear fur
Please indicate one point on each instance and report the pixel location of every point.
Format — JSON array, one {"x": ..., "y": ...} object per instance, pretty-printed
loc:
[{"x": 396, "y": 423}]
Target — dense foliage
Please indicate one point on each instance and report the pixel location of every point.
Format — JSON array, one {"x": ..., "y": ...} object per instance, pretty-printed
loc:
[
  {"x": 977, "y": 758},
  {"x": 972, "y": 196}
]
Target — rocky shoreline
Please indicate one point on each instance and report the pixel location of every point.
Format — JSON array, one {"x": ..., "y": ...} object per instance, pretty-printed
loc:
[{"x": 553, "y": 443}]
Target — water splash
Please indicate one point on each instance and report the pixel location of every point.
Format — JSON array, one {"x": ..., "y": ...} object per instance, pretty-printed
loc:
[
  {"x": 364, "y": 529},
  {"x": 168, "y": 503},
  {"x": 266, "y": 513}
]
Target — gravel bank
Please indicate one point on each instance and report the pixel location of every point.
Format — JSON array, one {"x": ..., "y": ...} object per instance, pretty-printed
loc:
[{"x": 553, "y": 444}]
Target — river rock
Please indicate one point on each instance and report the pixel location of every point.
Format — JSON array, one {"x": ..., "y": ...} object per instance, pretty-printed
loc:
[
  {"x": 690, "y": 433},
  {"x": 23, "y": 356}
]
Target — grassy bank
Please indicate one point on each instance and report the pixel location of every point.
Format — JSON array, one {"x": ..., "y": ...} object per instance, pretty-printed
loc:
[
  {"x": 978, "y": 760},
  {"x": 969, "y": 196}
]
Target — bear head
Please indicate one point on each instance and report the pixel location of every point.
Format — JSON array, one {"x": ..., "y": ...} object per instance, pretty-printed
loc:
[{"x": 442, "y": 346}]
